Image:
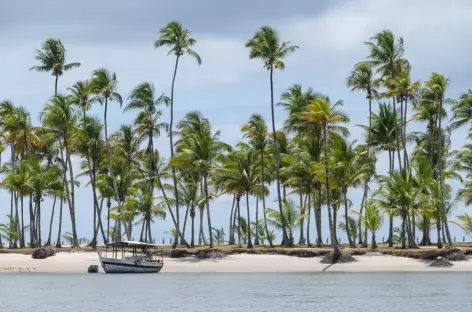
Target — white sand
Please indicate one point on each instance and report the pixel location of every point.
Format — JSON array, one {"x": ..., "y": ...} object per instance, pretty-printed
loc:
[{"x": 78, "y": 262}]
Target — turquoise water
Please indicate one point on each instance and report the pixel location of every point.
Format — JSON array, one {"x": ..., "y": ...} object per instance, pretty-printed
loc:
[{"x": 212, "y": 292}]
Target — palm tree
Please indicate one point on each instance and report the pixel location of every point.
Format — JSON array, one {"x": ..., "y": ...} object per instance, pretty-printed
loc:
[
  {"x": 180, "y": 41},
  {"x": 320, "y": 113},
  {"x": 58, "y": 116},
  {"x": 372, "y": 220},
  {"x": 52, "y": 58},
  {"x": 198, "y": 150},
  {"x": 81, "y": 95},
  {"x": 362, "y": 78},
  {"x": 256, "y": 131},
  {"x": 386, "y": 55},
  {"x": 104, "y": 84},
  {"x": 43, "y": 180},
  {"x": 291, "y": 218},
  {"x": 438, "y": 84},
  {"x": 349, "y": 169},
  {"x": 462, "y": 111},
  {"x": 266, "y": 45},
  {"x": 465, "y": 223}
]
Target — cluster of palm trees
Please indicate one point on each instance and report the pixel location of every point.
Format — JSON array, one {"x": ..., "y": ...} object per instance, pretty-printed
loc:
[{"x": 310, "y": 162}]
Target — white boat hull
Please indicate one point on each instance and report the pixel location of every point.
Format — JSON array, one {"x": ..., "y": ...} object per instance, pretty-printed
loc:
[{"x": 130, "y": 265}]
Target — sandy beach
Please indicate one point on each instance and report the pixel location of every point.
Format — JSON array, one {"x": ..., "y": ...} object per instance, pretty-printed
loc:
[{"x": 77, "y": 262}]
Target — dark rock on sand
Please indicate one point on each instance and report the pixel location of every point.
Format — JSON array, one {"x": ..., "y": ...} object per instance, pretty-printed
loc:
[
  {"x": 451, "y": 254},
  {"x": 440, "y": 262},
  {"x": 43, "y": 253},
  {"x": 210, "y": 254},
  {"x": 331, "y": 258}
]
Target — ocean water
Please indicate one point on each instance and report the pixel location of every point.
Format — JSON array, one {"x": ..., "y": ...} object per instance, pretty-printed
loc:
[{"x": 214, "y": 292}]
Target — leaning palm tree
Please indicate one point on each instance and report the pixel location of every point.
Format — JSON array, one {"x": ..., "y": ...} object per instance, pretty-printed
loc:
[
  {"x": 320, "y": 113},
  {"x": 60, "y": 118},
  {"x": 266, "y": 45},
  {"x": 180, "y": 41},
  {"x": 104, "y": 84},
  {"x": 52, "y": 58}
]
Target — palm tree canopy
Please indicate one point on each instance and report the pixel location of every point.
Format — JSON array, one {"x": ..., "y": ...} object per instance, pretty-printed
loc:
[
  {"x": 105, "y": 85},
  {"x": 266, "y": 45},
  {"x": 179, "y": 39},
  {"x": 52, "y": 57}
]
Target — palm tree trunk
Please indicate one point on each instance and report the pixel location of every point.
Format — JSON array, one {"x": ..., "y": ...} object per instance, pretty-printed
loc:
[
  {"x": 308, "y": 221},
  {"x": 201, "y": 235},
  {"x": 301, "y": 239},
  {"x": 319, "y": 242},
  {"x": 366, "y": 185},
  {"x": 256, "y": 239},
  {"x": 441, "y": 182},
  {"x": 207, "y": 199},
  {"x": 108, "y": 218},
  {"x": 72, "y": 194},
  {"x": 233, "y": 226},
  {"x": 438, "y": 228},
  {"x": 39, "y": 221},
  {"x": 192, "y": 216},
  {"x": 55, "y": 84},
  {"x": 58, "y": 242},
  {"x": 397, "y": 134},
  {"x": 32, "y": 222},
  {"x": 374, "y": 242},
  {"x": 115, "y": 188},
  {"x": 263, "y": 198},
  {"x": 277, "y": 158},
  {"x": 239, "y": 220},
  {"x": 346, "y": 216},
  {"x": 334, "y": 244},
  {"x": 231, "y": 236},
  {"x": 174, "y": 175},
  {"x": 249, "y": 239},
  {"x": 390, "y": 215},
  {"x": 166, "y": 199},
  {"x": 22, "y": 224},
  {"x": 405, "y": 152},
  {"x": 48, "y": 243},
  {"x": 185, "y": 222},
  {"x": 363, "y": 242}
]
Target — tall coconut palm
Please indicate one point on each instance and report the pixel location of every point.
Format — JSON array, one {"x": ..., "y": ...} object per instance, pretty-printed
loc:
[
  {"x": 438, "y": 85},
  {"x": 104, "y": 84},
  {"x": 462, "y": 111},
  {"x": 319, "y": 112},
  {"x": 82, "y": 96},
  {"x": 386, "y": 54},
  {"x": 58, "y": 116},
  {"x": 147, "y": 124},
  {"x": 180, "y": 42},
  {"x": 362, "y": 78},
  {"x": 266, "y": 45},
  {"x": 256, "y": 131},
  {"x": 52, "y": 58}
]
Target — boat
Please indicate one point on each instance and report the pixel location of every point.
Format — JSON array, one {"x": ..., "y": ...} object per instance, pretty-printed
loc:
[{"x": 132, "y": 257}]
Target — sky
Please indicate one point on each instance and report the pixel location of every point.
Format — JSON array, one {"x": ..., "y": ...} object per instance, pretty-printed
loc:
[{"x": 228, "y": 87}]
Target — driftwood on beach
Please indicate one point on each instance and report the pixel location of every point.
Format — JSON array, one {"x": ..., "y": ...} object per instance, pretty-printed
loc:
[{"x": 43, "y": 253}]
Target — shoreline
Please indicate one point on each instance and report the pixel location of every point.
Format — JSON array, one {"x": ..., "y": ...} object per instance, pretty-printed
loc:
[{"x": 77, "y": 262}]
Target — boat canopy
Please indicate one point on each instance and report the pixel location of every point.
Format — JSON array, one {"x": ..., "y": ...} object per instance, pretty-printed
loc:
[{"x": 130, "y": 244}]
